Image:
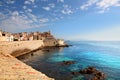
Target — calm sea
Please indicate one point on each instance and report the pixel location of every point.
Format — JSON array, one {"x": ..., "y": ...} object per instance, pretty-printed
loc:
[{"x": 105, "y": 56}]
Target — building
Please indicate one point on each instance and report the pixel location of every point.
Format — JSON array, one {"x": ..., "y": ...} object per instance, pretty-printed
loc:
[
  {"x": 61, "y": 42},
  {"x": 0, "y": 33},
  {"x": 5, "y": 36},
  {"x": 50, "y": 42},
  {"x": 47, "y": 37},
  {"x": 16, "y": 37}
]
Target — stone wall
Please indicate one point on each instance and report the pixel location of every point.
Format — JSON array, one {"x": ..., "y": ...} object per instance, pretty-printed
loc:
[
  {"x": 19, "y": 47},
  {"x": 50, "y": 42},
  {"x": 12, "y": 68},
  {"x": 3, "y": 38}
]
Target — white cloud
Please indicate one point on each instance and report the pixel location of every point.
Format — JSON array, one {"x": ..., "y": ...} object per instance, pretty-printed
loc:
[
  {"x": 29, "y": 10},
  {"x": 62, "y": 1},
  {"x": 46, "y": 8},
  {"x": 103, "y": 5},
  {"x": 67, "y": 11},
  {"x": 32, "y": 1},
  {"x": 24, "y": 7},
  {"x": 89, "y": 3},
  {"x": 27, "y": 2},
  {"x": 43, "y": 20},
  {"x": 15, "y": 13},
  {"x": 10, "y": 1},
  {"x": 16, "y": 21},
  {"x": 35, "y": 6},
  {"x": 106, "y": 4},
  {"x": 51, "y": 5},
  {"x": 32, "y": 17},
  {"x": 44, "y": 0},
  {"x": 2, "y": 16},
  {"x": 55, "y": 19},
  {"x": 66, "y": 6}
]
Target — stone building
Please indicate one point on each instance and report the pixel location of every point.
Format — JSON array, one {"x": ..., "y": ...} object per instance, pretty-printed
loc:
[
  {"x": 47, "y": 37},
  {"x": 17, "y": 37},
  {"x": 47, "y": 34},
  {"x": 50, "y": 42},
  {"x": 5, "y": 36},
  {"x": 30, "y": 36},
  {"x": 0, "y": 33},
  {"x": 37, "y": 36},
  {"x": 61, "y": 42}
]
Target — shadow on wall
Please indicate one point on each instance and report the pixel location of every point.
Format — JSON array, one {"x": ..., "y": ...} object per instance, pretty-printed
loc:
[{"x": 20, "y": 52}]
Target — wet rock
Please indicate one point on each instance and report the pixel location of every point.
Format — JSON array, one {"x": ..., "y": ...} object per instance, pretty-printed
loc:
[
  {"x": 65, "y": 45},
  {"x": 99, "y": 75},
  {"x": 75, "y": 73},
  {"x": 68, "y": 62},
  {"x": 32, "y": 54},
  {"x": 96, "y": 74},
  {"x": 89, "y": 70},
  {"x": 95, "y": 78},
  {"x": 46, "y": 50}
]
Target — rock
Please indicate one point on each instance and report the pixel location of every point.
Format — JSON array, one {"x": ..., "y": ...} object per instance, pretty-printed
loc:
[
  {"x": 75, "y": 73},
  {"x": 89, "y": 70},
  {"x": 32, "y": 54},
  {"x": 48, "y": 50},
  {"x": 95, "y": 78},
  {"x": 96, "y": 74},
  {"x": 100, "y": 75},
  {"x": 68, "y": 62},
  {"x": 66, "y": 45}
]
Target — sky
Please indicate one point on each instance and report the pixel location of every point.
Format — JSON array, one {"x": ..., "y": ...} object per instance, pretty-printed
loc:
[{"x": 66, "y": 19}]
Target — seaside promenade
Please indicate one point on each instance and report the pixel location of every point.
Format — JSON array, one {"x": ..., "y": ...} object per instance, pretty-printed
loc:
[{"x": 13, "y": 69}]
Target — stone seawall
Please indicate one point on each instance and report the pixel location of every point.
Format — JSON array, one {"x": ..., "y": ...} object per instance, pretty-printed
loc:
[
  {"x": 13, "y": 69},
  {"x": 17, "y": 48}
]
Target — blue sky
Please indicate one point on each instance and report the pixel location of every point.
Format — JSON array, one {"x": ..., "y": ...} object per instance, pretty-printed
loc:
[{"x": 67, "y": 19}]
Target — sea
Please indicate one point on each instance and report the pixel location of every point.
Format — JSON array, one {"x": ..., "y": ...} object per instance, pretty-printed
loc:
[{"x": 103, "y": 55}]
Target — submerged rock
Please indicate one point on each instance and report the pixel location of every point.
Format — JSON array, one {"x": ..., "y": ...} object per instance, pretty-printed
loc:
[
  {"x": 68, "y": 62},
  {"x": 75, "y": 73},
  {"x": 89, "y": 70},
  {"x": 99, "y": 76},
  {"x": 96, "y": 74}
]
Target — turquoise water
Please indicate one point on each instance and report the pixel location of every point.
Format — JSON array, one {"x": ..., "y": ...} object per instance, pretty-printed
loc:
[{"x": 105, "y": 56}]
